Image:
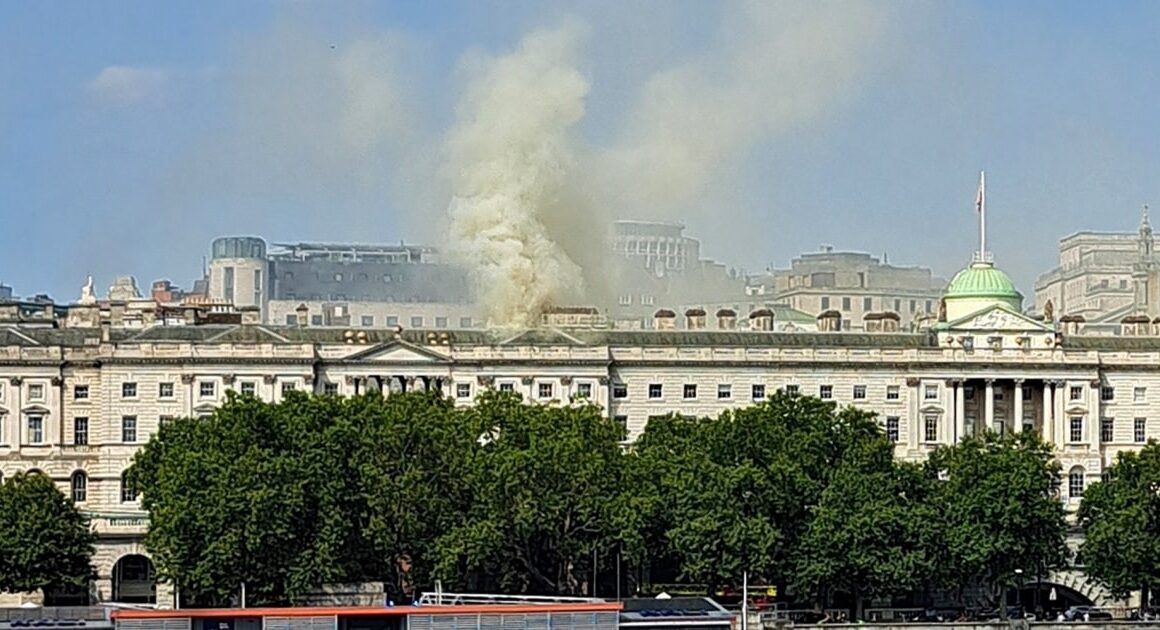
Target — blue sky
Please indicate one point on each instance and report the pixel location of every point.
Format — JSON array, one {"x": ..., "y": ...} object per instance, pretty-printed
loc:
[{"x": 132, "y": 133}]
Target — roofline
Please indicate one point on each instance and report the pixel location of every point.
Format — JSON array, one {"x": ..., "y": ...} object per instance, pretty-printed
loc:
[{"x": 365, "y": 611}]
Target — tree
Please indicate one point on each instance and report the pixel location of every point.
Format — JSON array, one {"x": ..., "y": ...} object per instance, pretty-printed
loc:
[
  {"x": 45, "y": 541},
  {"x": 1000, "y": 510},
  {"x": 543, "y": 483},
  {"x": 1121, "y": 521}
]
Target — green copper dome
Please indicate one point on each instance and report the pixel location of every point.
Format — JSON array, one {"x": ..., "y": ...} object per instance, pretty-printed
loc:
[{"x": 983, "y": 280}]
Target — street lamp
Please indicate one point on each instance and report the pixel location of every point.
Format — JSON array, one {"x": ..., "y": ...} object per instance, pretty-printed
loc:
[{"x": 1019, "y": 586}]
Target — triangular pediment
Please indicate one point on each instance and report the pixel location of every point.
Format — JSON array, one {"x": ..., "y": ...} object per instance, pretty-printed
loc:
[
  {"x": 398, "y": 351},
  {"x": 998, "y": 318}
]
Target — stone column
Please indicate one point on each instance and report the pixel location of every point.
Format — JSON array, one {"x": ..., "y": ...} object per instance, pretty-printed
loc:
[
  {"x": 1094, "y": 413},
  {"x": 914, "y": 424},
  {"x": 947, "y": 433},
  {"x": 15, "y": 419},
  {"x": 1018, "y": 411},
  {"x": 187, "y": 380},
  {"x": 1059, "y": 402},
  {"x": 1047, "y": 425},
  {"x": 960, "y": 410},
  {"x": 989, "y": 406}
]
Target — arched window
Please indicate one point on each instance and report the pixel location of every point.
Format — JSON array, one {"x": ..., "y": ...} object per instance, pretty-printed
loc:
[
  {"x": 80, "y": 486},
  {"x": 1075, "y": 482},
  {"x": 128, "y": 490}
]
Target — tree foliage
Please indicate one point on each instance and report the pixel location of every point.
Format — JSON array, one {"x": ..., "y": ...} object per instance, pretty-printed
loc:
[
  {"x": 45, "y": 541},
  {"x": 1121, "y": 521}
]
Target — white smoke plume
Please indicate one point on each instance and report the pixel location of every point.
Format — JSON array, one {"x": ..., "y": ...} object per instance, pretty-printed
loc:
[{"x": 510, "y": 159}]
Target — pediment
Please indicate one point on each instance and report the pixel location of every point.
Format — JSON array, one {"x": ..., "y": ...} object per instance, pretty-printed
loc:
[
  {"x": 998, "y": 318},
  {"x": 930, "y": 409},
  {"x": 35, "y": 409},
  {"x": 205, "y": 408},
  {"x": 1076, "y": 409},
  {"x": 398, "y": 351}
]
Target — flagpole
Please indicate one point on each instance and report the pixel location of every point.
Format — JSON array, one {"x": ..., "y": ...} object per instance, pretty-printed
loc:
[{"x": 982, "y": 216}]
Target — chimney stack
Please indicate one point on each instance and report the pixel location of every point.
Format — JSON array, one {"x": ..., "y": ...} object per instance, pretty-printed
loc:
[{"x": 302, "y": 312}]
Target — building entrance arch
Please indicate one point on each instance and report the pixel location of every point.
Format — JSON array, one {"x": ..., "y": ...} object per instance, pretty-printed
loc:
[
  {"x": 134, "y": 580},
  {"x": 1050, "y": 597}
]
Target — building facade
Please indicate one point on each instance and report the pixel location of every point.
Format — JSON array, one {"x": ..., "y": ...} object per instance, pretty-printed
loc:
[
  {"x": 852, "y": 283},
  {"x": 79, "y": 394}
]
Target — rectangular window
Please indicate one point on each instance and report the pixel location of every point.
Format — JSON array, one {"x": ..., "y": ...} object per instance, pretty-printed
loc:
[
  {"x": 416, "y": 322},
  {"x": 690, "y": 391},
  {"x": 128, "y": 390},
  {"x": 826, "y": 392},
  {"x": 287, "y": 387},
  {"x": 1075, "y": 393},
  {"x": 1107, "y": 429},
  {"x": 36, "y": 392},
  {"x": 507, "y": 387},
  {"x": 892, "y": 428},
  {"x": 1107, "y": 394},
  {"x": 1076, "y": 432},
  {"x": 825, "y": 302},
  {"x": 315, "y": 320},
  {"x": 35, "y": 429},
  {"x": 81, "y": 392},
  {"x": 80, "y": 431},
  {"x": 128, "y": 492},
  {"x": 845, "y": 304},
  {"x": 928, "y": 305},
  {"x": 128, "y": 429},
  {"x": 859, "y": 392},
  {"x": 897, "y": 305},
  {"x": 584, "y": 390},
  {"x": 968, "y": 393},
  {"x": 463, "y": 390},
  {"x": 792, "y": 390},
  {"x": 912, "y": 306},
  {"x": 1139, "y": 394},
  {"x": 759, "y": 392},
  {"x": 545, "y": 390},
  {"x": 930, "y": 392},
  {"x": 392, "y": 320},
  {"x": 249, "y": 388},
  {"x": 930, "y": 433},
  {"x": 867, "y": 304},
  {"x": 654, "y": 390},
  {"x": 1140, "y": 430},
  {"x": 724, "y": 391},
  {"x": 291, "y": 320},
  {"x": 228, "y": 284},
  {"x": 465, "y": 322},
  {"x": 165, "y": 390},
  {"x": 206, "y": 389},
  {"x": 441, "y": 322},
  {"x": 164, "y": 420},
  {"x": 1075, "y": 485},
  {"x": 619, "y": 390},
  {"x": 1027, "y": 393},
  {"x": 892, "y": 392},
  {"x": 330, "y": 389},
  {"x": 622, "y": 424},
  {"x": 368, "y": 321}
]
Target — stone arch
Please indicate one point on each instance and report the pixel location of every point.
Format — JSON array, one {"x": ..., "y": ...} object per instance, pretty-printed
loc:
[
  {"x": 1075, "y": 482},
  {"x": 134, "y": 580}
]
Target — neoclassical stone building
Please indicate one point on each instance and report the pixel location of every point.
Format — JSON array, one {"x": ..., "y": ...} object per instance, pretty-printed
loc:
[{"x": 79, "y": 393}]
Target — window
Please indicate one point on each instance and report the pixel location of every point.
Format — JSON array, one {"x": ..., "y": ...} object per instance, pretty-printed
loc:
[
  {"x": 128, "y": 490},
  {"x": 897, "y": 305},
  {"x": 441, "y": 322},
  {"x": 315, "y": 320},
  {"x": 507, "y": 387},
  {"x": 792, "y": 390},
  {"x": 968, "y": 393},
  {"x": 913, "y": 308},
  {"x": 248, "y": 388},
  {"x": 35, "y": 429},
  {"x": 724, "y": 391},
  {"x": 930, "y": 392},
  {"x": 81, "y": 392},
  {"x": 621, "y": 423},
  {"x": 463, "y": 390},
  {"x": 825, "y": 302},
  {"x": 892, "y": 392},
  {"x": 690, "y": 391},
  {"x": 206, "y": 389},
  {"x": 1075, "y": 483},
  {"x": 826, "y": 392},
  {"x": 80, "y": 431},
  {"x": 759, "y": 392},
  {"x": 867, "y": 304},
  {"x": 1076, "y": 433},
  {"x": 892, "y": 428},
  {"x": 930, "y": 433},
  {"x": 1027, "y": 393},
  {"x": 859, "y": 392},
  {"x": 128, "y": 390},
  {"x": 228, "y": 283},
  {"x": 287, "y": 387},
  {"x": 845, "y": 304},
  {"x": 1107, "y": 394},
  {"x": 80, "y": 486},
  {"x": 928, "y": 305},
  {"x": 165, "y": 390},
  {"x": 338, "y": 277},
  {"x": 367, "y": 321},
  {"x": 545, "y": 390},
  {"x": 584, "y": 390},
  {"x": 619, "y": 390},
  {"x": 291, "y": 320},
  {"x": 164, "y": 420},
  {"x": 624, "y": 300},
  {"x": 1139, "y": 394},
  {"x": 654, "y": 390},
  {"x": 1139, "y": 430},
  {"x": 330, "y": 389},
  {"x": 129, "y": 429},
  {"x": 36, "y": 392},
  {"x": 1107, "y": 429},
  {"x": 465, "y": 322},
  {"x": 1075, "y": 393}
]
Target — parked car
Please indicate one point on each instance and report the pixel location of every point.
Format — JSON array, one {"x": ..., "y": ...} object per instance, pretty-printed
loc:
[{"x": 1085, "y": 613}]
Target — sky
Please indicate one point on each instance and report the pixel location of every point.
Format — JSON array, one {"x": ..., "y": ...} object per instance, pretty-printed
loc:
[{"x": 134, "y": 132}]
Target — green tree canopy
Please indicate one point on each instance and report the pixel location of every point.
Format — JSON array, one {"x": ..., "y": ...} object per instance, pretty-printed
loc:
[
  {"x": 45, "y": 541},
  {"x": 1121, "y": 521}
]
